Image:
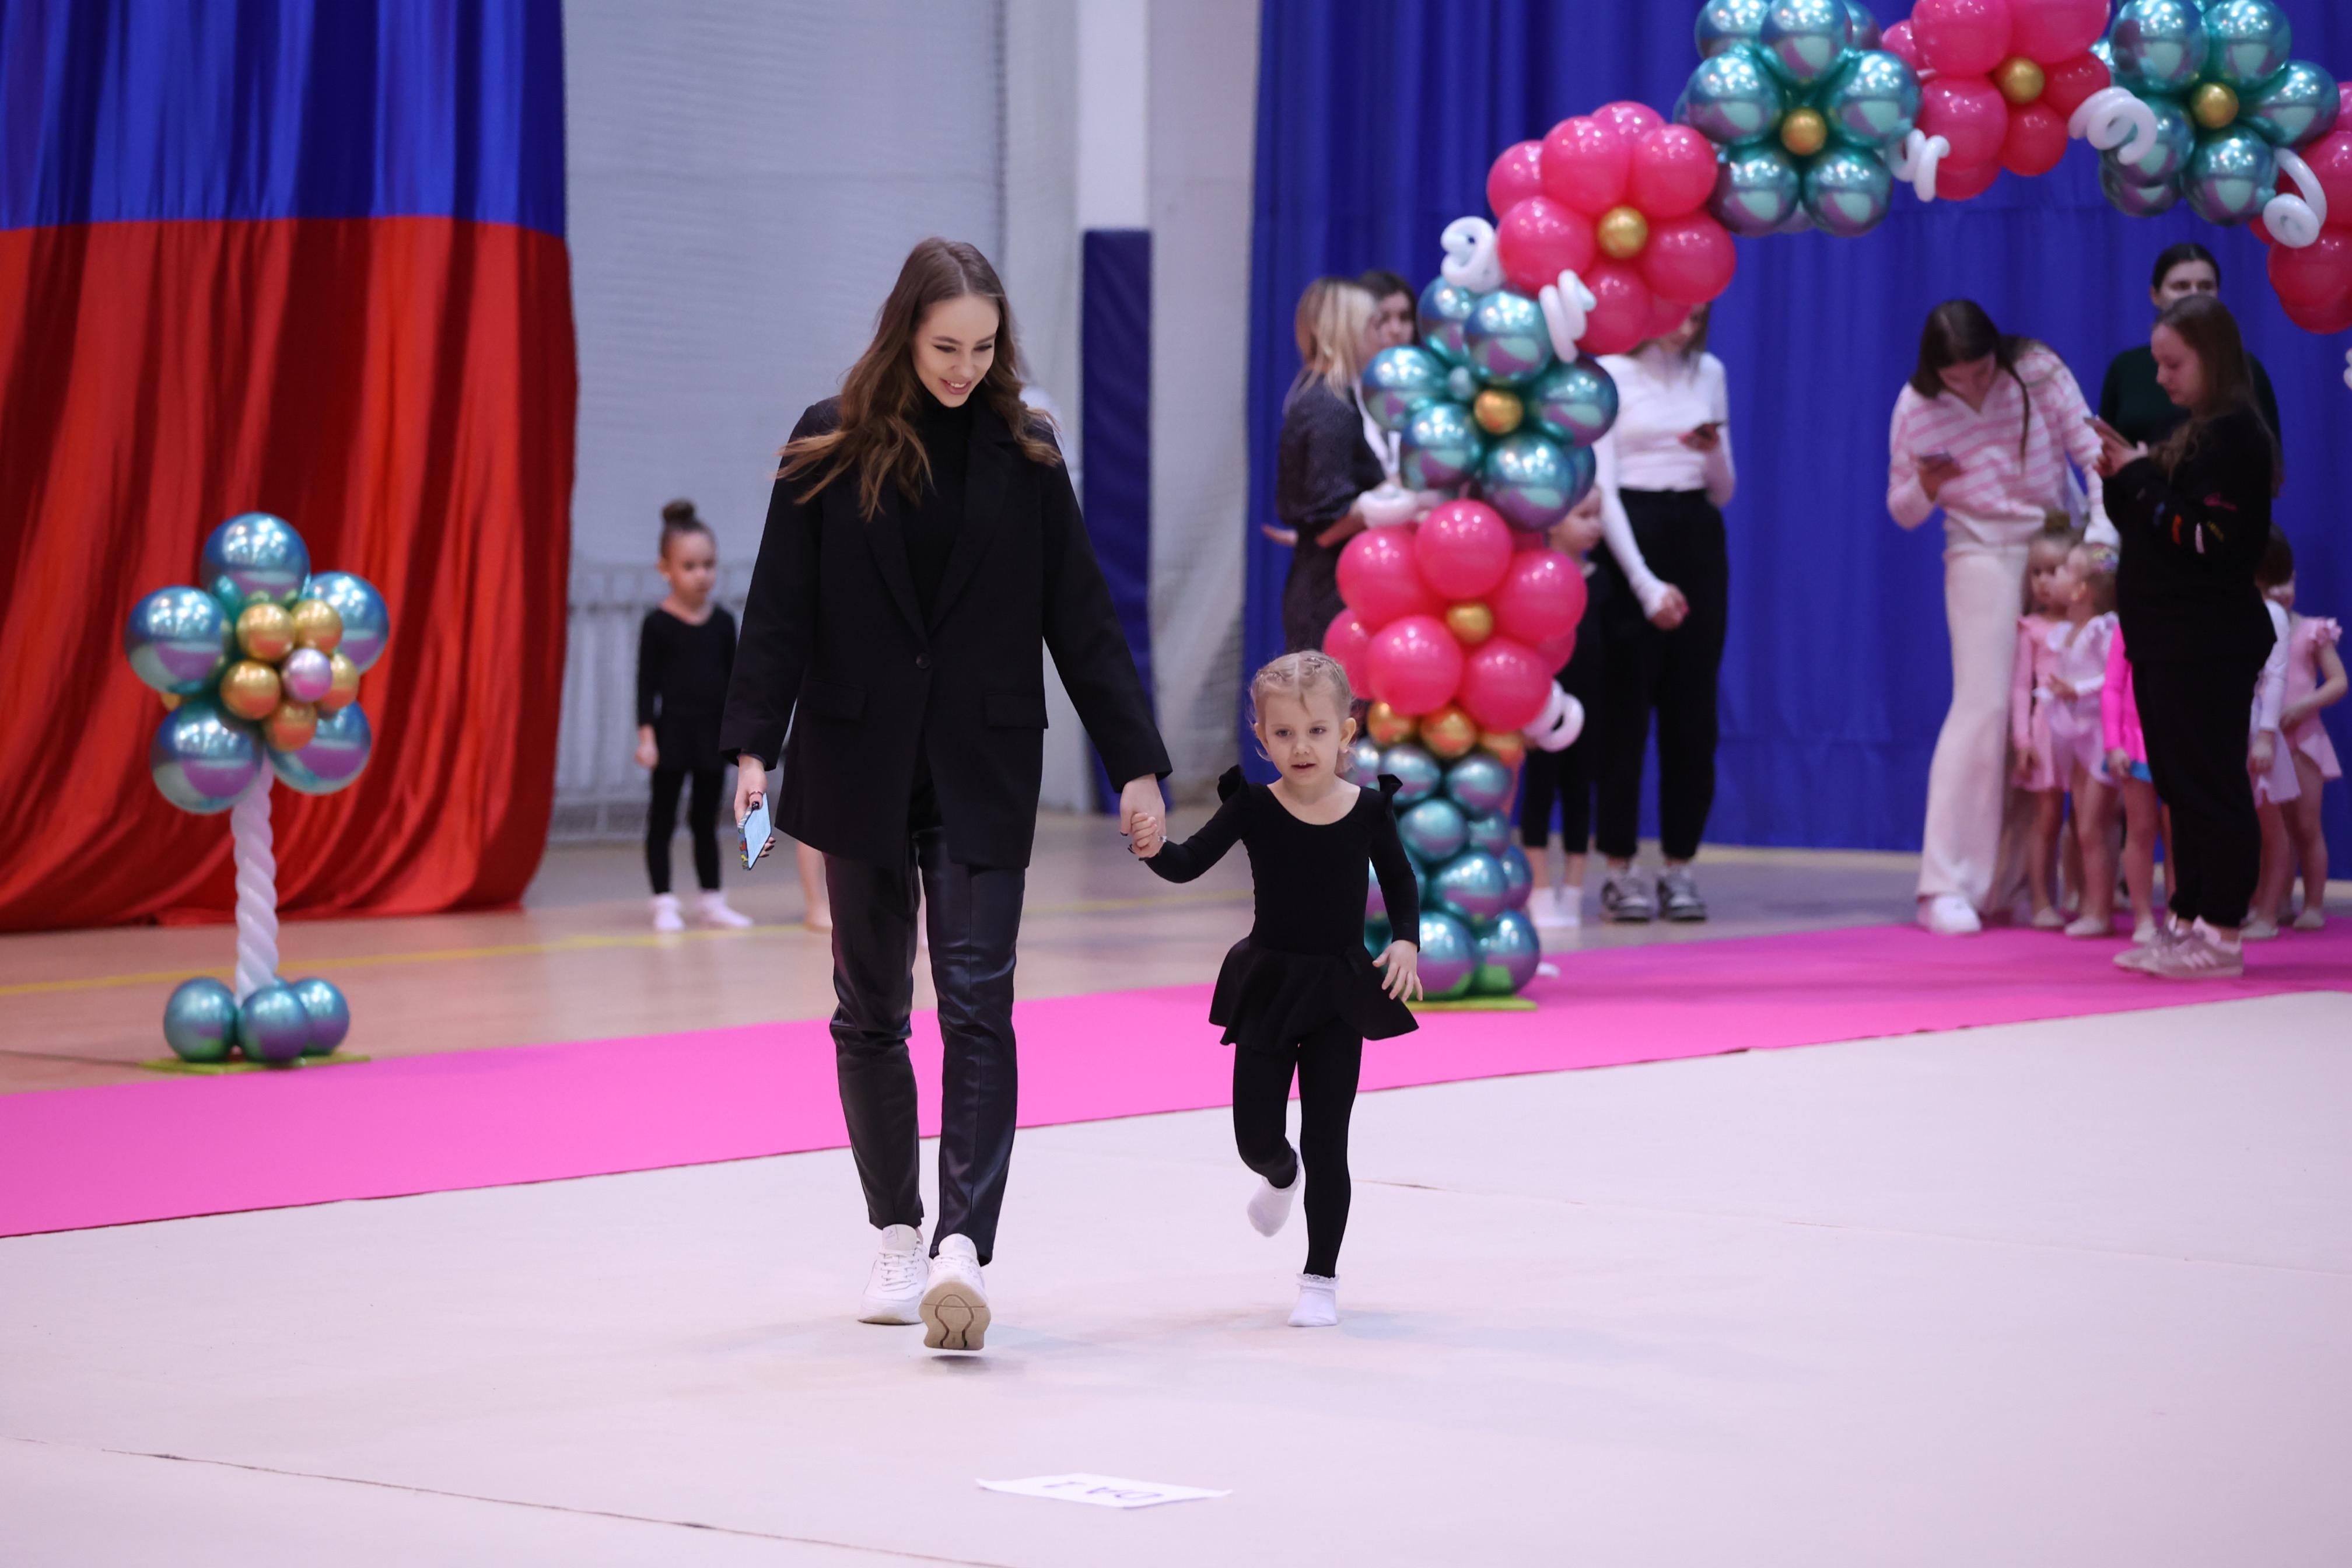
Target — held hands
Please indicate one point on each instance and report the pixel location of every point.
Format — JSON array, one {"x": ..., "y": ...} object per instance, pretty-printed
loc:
[
  {"x": 1402, "y": 962},
  {"x": 1151, "y": 835},
  {"x": 1139, "y": 806},
  {"x": 648, "y": 753}
]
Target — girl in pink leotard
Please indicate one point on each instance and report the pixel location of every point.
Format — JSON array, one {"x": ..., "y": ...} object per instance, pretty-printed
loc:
[{"x": 2314, "y": 679}]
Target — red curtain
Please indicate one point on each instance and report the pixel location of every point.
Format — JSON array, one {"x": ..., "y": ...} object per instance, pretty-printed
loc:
[{"x": 401, "y": 390}]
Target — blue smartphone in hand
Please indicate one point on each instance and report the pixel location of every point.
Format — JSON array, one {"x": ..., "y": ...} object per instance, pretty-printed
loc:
[{"x": 758, "y": 832}]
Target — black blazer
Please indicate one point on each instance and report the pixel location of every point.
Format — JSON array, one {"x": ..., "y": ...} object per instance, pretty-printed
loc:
[{"x": 836, "y": 650}]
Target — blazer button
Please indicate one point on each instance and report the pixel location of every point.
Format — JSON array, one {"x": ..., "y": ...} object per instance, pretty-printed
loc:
[{"x": 922, "y": 661}]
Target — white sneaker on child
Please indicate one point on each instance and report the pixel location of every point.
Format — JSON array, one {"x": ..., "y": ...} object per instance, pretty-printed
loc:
[
  {"x": 955, "y": 1303},
  {"x": 1948, "y": 914},
  {"x": 1269, "y": 1206},
  {"x": 713, "y": 910},
  {"x": 665, "y": 916},
  {"x": 894, "y": 1290},
  {"x": 2259, "y": 928},
  {"x": 1318, "y": 1304},
  {"x": 2313, "y": 917},
  {"x": 2092, "y": 926}
]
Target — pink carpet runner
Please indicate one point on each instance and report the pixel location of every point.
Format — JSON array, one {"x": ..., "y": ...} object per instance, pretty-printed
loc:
[{"x": 76, "y": 1158}]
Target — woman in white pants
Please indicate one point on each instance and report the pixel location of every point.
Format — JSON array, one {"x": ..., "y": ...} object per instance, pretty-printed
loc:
[{"x": 1984, "y": 431}]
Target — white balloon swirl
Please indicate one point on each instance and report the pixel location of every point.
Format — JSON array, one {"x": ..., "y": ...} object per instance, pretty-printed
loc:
[
  {"x": 257, "y": 889},
  {"x": 2348, "y": 367},
  {"x": 2114, "y": 117},
  {"x": 1472, "y": 261},
  {"x": 1917, "y": 161},
  {"x": 2295, "y": 221},
  {"x": 1561, "y": 722},
  {"x": 1566, "y": 304}
]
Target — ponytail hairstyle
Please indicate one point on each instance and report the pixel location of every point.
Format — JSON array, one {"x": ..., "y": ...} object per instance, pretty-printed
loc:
[
  {"x": 679, "y": 517},
  {"x": 1332, "y": 315},
  {"x": 1957, "y": 333},
  {"x": 876, "y": 439},
  {"x": 2206, "y": 327}
]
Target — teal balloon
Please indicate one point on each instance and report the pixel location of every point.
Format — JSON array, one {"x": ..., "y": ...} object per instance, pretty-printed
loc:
[
  {"x": 179, "y": 641},
  {"x": 1442, "y": 446},
  {"x": 201, "y": 758},
  {"x": 367, "y": 623},
  {"x": 1377, "y": 937},
  {"x": 2232, "y": 177},
  {"x": 1449, "y": 956},
  {"x": 2159, "y": 46},
  {"x": 1724, "y": 23},
  {"x": 1415, "y": 770},
  {"x": 1848, "y": 191},
  {"x": 1508, "y": 343},
  {"x": 1434, "y": 831},
  {"x": 1805, "y": 41},
  {"x": 1575, "y": 401},
  {"x": 337, "y": 752},
  {"x": 1462, "y": 382},
  {"x": 271, "y": 1026},
  {"x": 2247, "y": 42},
  {"x": 1873, "y": 101},
  {"x": 1534, "y": 480},
  {"x": 1444, "y": 312},
  {"x": 1508, "y": 951},
  {"x": 1479, "y": 782},
  {"x": 1399, "y": 380},
  {"x": 328, "y": 1014},
  {"x": 1756, "y": 190},
  {"x": 2176, "y": 138},
  {"x": 1364, "y": 764},
  {"x": 2130, "y": 197},
  {"x": 1490, "y": 831},
  {"x": 254, "y": 558},
  {"x": 2294, "y": 109},
  {"x": 1733, "y": 99},
  {"x": 1861, "y": 26},
  {"x": 200, "y": 1021},
  {"x": 1518, "y": 877},
  {"x": 1471, "y": 885}
]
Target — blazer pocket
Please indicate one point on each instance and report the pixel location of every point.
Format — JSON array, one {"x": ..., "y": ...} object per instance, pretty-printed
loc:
[
  {"x": 828, "y": 701},
  {"x": 1013, "y": 710}
]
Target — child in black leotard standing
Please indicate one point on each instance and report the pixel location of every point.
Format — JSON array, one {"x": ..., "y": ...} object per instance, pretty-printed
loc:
[
  {"x": 685, "y": 654},
  {"x": 1299, "y": 992}
]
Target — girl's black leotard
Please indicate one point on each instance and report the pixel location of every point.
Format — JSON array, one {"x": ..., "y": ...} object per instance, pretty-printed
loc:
[{"x": 1303, "y": 963}]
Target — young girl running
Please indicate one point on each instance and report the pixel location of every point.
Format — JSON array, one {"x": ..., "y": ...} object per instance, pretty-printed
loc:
[
  {"x": 2031, "y": 694},
  {"x": 1299, "y": 992},
  {"x": 685, "y": 654},
  {"x": 2314, "y": 680}
]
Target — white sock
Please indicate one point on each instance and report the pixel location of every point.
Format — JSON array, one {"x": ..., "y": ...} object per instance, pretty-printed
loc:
[{"x": 1319, "y": 1302}]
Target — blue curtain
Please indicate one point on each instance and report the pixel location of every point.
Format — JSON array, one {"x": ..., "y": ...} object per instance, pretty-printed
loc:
[
  {"x": 1377, "y": 120},
  {"x": 1115, "y": 348}
]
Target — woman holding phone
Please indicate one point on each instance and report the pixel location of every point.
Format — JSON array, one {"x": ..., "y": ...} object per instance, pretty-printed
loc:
[{"x": 1984, "y": 431}]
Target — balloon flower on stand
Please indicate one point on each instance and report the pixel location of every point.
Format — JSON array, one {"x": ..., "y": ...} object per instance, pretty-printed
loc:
[{"x": 260, "y": 672}]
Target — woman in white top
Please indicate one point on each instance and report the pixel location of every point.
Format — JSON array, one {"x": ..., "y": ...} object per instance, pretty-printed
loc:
[
  {"x": 1664, "y": 592},
  {"x": 1985, "y": 430}
]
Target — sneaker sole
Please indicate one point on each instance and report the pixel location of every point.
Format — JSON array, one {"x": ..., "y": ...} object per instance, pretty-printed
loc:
[
  {"x": 893, "y": 1314},
  {"x": 1687, "y": 917},
  {"x": 1629, "y": 917},
  {"x": 953, "y": 1320}
]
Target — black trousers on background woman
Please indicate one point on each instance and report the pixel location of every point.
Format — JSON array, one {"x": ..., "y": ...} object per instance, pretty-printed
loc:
[
  {"x": 2193, "y": 718},
  {"x": 1566, "y": 778},
  {"x": 701, "y": 824},
  {"x": 1676, "y": 673}
]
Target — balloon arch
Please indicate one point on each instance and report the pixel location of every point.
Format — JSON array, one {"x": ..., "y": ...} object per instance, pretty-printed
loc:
[{"x": 1616, "y": 224}]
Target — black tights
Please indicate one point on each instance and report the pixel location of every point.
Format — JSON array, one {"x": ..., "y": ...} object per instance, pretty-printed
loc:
[
  {"x": 702, "y": 820},
  {"x": 1327, "y": 1062}
]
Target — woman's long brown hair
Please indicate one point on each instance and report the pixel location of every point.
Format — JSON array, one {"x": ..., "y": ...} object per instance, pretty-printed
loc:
[
  {"x": 877, "y": 439},
  {"x": 2205, "y": 326},
  {"x": 1959, "y": 331}
]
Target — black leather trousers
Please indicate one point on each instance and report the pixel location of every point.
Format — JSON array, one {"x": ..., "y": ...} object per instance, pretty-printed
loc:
[{"x": 973, "y": 916}]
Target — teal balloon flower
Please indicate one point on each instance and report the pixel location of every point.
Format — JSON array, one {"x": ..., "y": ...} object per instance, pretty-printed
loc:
[
  {"x": 2226, "y": 95},
  {"x": 1804, "y": 111}
]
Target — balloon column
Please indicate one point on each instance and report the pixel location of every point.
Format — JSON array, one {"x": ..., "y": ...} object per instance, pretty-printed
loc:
[{"x": 259, "y": 669}]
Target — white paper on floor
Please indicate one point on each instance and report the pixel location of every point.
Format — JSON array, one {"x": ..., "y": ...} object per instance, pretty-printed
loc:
[{"x": 1103, "y": 1491}]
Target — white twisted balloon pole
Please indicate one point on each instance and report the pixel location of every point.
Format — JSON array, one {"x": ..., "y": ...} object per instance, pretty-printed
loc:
[
  {"x": 2295, "y": 221},
  {"x": 1917, "y": 161},
  {"x": 1566, "y": 306},
  {"x": 257, "y": 889},
  {"x": 1472, "y": 261},
  {"x": 2114, "y": 117}
]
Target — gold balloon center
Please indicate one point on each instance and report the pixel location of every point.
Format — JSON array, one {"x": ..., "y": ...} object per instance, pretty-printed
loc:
[
  {"x": 1498, "y": 411},
  {"x": 248, "y": 688},
  {"x": 1623, "y": 232},
  {"x": 1804, "y": 132},
  {"x": 318, "y": 624},
  {"x": 2214, "y": 105},
  {"x": 290, "y": 725},
  {"x": 1471, "y": 623},
  {"x": 343, "y": 683},
  {"x": 266, "y": 632},
  {"x": 2021, "y": 80},
  {"x": 1510, "y": 749},
  {"x": 1449, "y": 732},
  {"x": 1386, "y": 726}
]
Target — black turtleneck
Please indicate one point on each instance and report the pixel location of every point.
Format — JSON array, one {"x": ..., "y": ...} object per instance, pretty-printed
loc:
[{"x": 931, "y": 523}]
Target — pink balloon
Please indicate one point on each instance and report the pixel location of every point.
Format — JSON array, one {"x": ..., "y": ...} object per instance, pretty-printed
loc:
[
  {"x": 1378, "y": 580},
  {"x": 1666, "y": 315},
  {"x": 1965, "y": 182},
  {"x": 1585, "y": 164},
  {"x": 1672, "y": 172},
  {"x": 1462, "y": 548},
  {"x": 2315, "y": 277},
  {"x": 2330, "y": 158},
  {"x": 1556, "y": 651},
  {"x": 1689, "y": 260},
  {"x": 1963, "y": 38},
  {"x": 1621, "y": 318},
  {"x": 1505, "y": 684},
  {"x": 1542, "y": 598},
  {"x": 1898, "y": 41},
  {"x": 2048, "y": 31},
  {"x": 2067, "y": 84},
  {"x": 1415, "y": 663},
  {"x": 1516, "y": 175},
  {"x": 2036, "y": 140},
  {"x": 1539, "y": 239},
  {"x": 2327, "y": 320},
  {"x": 1351, "y": 642},
  {"x": 1968, "y": 112},
  {"x": 1630, "y": 119}
]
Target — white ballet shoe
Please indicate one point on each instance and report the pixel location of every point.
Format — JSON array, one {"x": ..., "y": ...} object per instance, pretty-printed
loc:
[
  {"x": 1269, "y": 1206},
  {"x": 1318, "y": 1304}
]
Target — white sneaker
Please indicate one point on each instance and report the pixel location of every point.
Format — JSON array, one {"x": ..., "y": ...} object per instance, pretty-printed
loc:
[
  {"x": 1948, "y": 914},
  {"x": 894, "y": 1290},
  {"x": 1318, "y": 1304},
  {"x": 2259, "y": 928},
  {"x": 665, "y": 916},
  {"x": 1269, "y": 1206},
  {"x": 955, "y": 1304},
  {"x": 1554, "y": 908},
  {"x": 713, "y": 910},
  {"x": 2091, "y": 926}
]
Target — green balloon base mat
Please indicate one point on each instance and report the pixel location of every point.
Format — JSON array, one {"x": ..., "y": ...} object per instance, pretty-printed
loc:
[
  {"x": 213, "y": 1069},
  {"x": 1476, "y": 1004}
]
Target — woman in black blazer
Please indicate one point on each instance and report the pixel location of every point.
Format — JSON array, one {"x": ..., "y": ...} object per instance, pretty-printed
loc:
[{"x": 923, "y": 546}]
